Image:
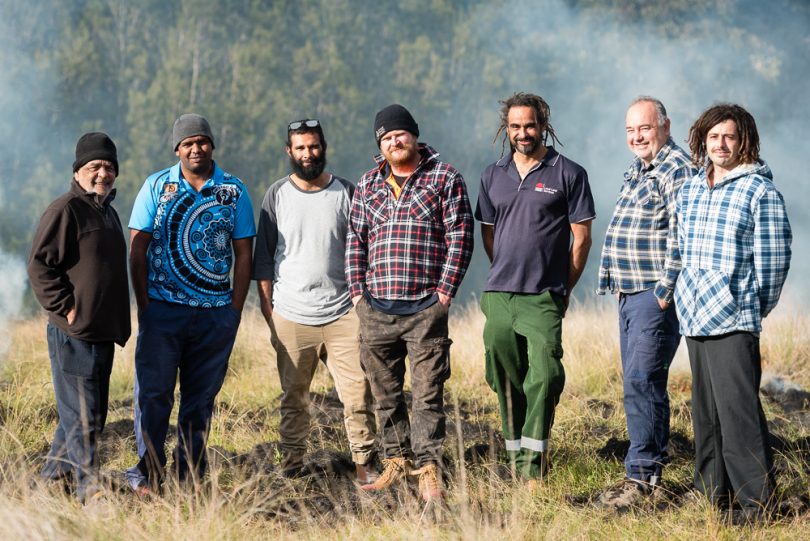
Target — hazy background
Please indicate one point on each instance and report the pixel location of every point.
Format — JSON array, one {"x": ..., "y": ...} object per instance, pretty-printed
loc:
[{"x": 130, "y": 68}]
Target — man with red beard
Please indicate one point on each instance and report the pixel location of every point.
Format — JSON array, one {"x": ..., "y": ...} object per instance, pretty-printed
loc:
[
  {"x": 531, "y": 204},
  {"x": 298, "y": 266},
  {"x": 410, "y": 241}
]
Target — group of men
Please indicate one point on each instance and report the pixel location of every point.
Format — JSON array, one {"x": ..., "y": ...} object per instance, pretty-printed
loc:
[{"x": 363, "y": 278}]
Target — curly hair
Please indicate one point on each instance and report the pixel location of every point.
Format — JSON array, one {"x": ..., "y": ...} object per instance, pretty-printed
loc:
[
  {"x": 542, "y": 114},
  {"x": 714, "y": 115}
]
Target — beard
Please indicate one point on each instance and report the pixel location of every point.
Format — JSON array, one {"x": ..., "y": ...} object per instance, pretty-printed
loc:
[
  {"x": 526, "y": 148},
  {"x": 310, "y": 171},
  {"x": 410, "y": 154}
]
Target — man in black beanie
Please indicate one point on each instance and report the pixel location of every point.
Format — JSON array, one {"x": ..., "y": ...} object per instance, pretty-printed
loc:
[
  {"x": 409, "y": 243},
  {"x": 78, "y": 272}
]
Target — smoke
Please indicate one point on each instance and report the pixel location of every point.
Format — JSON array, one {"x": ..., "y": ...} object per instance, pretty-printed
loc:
[
  {"x": 12, "y": 287},
  {"x": 590, "y": 63}
]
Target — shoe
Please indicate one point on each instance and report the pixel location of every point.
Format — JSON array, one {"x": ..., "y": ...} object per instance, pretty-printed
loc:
[
  {"x": 138, "y": 483},
  {"x": 749, "y": 516},
  {"x": 628, "y": 493},
  {"x": 430, "y": 483},
  {"x": 394, "y": 469},
  {"x": 366, "y": 473},
  {"x": 530, "y": 485}
]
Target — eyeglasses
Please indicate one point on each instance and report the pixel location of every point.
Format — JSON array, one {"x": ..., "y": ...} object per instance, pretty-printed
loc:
[{"x": 307, "y": 122}]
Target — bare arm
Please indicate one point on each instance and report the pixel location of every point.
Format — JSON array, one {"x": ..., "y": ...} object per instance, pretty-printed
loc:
[
  {"x": 578, "y": 255},
  {"x": 243, "y": 261},
  {"x": 488, "y": 238},
  {"x": 265, "y": 289},
  {"x": 138, "y": 244}
]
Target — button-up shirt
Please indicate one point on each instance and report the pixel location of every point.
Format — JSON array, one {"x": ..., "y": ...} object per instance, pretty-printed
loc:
[
  {"x": 641, "y": 246},
  {"x": 409, "y": 247}
]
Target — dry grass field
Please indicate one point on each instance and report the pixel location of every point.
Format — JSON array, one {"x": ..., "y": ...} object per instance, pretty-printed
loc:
[{"x": 245, "y": 498}]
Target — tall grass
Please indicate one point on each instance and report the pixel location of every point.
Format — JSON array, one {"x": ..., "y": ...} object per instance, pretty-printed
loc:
[{"x": 245, "y": 498}]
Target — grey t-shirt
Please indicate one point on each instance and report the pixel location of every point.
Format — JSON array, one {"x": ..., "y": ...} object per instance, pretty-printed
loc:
[{"x": 300, "y": 246}]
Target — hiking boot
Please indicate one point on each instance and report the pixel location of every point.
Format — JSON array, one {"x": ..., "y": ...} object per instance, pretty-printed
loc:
[
  {"x": 430, "y": 483},
  {"x": 626, "y": 494},
  {"x": 366, "y": 473},
  {"x": 395, "y": 469}
]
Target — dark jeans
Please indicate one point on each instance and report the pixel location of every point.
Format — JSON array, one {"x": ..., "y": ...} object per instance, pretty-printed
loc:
[
  {"x": 648, "y": 338},
  {"x": 196, "y": 343},
  {"x": 732, "y": 448},
  {"x": 385, "y": 340},
  {"x": 81, "y": 383}
]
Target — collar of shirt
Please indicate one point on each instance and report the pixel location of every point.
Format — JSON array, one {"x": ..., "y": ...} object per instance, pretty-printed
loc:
[
  {"x": 637, "y": 167},
  {"x": 175, "y": 175},
  {"x": 549, "y": 160}
]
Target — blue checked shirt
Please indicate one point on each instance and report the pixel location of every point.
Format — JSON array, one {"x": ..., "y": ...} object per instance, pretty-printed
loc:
[
  {"x": 734, "y": 241},
  {"x": 641, "y": 245}
]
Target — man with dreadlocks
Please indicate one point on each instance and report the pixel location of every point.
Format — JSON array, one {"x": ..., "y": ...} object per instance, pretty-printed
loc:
[
  {"x": 734, "y": 239},
  {"x": 531, "y": 203}
]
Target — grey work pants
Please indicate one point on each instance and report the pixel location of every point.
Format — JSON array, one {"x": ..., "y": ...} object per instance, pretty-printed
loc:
[{"x": 385, "y": 340}]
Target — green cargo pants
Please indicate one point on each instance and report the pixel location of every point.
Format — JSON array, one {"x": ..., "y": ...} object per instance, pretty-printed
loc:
[{"x": 523, "y": 349}]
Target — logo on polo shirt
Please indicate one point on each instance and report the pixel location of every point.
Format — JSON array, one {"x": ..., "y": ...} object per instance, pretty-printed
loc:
[{"x": 542, "y": 188}]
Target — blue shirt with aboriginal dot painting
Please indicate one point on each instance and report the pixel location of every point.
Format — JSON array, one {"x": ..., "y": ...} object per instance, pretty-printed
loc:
[{"x": 190, "y": 255}]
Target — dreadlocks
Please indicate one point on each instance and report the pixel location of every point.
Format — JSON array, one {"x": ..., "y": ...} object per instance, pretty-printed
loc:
[
  {"x": 714, "y": 115},
  {"x": 542, "y": 114}
]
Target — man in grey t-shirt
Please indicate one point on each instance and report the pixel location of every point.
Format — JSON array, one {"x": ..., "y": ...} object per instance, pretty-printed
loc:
[{"x": 298, "y": 266}]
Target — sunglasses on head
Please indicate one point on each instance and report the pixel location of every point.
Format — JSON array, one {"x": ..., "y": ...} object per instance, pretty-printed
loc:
[{"x": 307, "y": 122}]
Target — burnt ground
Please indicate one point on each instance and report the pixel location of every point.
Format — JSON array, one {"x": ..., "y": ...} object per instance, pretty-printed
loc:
[{"x": 329, "y": 490}]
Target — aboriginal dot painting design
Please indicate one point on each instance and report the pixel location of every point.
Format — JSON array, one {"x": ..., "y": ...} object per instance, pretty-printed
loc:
[{"x": 191, "y": 254}]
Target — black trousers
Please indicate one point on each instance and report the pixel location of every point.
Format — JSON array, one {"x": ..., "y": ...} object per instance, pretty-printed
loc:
[{"x": 733, "y": 455}]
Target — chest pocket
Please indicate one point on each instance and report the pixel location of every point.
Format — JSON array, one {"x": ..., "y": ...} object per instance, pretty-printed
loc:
[
  {"x": 426, "y": 204},
  {"x": 647, "y": 194},
  {"x": 377, "y": 206}
]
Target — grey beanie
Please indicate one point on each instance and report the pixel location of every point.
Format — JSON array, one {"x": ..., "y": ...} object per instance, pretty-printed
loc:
[{"x": 189, "y": 125}]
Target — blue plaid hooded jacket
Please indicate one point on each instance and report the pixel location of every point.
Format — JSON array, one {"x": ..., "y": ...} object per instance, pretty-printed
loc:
[{"x": 734, "y": 241}]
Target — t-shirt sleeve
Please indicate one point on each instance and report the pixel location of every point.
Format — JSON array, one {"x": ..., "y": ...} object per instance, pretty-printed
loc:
[
  {"x": 245, "y": 225},
  {"x": 264, "y": 254},
  {"x": 144, "y": 209},
  {"x": 580, "y": 200},
  {"x": 484, "y": 209}
]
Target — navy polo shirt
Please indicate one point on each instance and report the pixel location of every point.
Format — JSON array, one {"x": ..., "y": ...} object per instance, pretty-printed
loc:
[{"x": 532, "y": 220}]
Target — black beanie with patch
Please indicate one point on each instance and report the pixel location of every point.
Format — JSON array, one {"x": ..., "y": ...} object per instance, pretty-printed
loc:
[{"x": 394, "y": 117}]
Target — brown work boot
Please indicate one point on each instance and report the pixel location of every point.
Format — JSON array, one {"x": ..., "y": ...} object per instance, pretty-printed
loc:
[
  {"x": 394, "y": 469},
  {"x": 430, "y": 483},
  {"x": 366, "y": 473}
]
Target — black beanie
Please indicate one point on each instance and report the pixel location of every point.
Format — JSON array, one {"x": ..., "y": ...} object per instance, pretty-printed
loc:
[
  {"x": 95, "y": 146},
  {"x": 394, "y": 117}
]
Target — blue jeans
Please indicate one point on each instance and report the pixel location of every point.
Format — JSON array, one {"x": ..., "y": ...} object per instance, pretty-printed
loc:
[
  {"x": 81, "y": 383},
  {"x": 195, "y": 343},
  {"x": 648, "y": 338}
]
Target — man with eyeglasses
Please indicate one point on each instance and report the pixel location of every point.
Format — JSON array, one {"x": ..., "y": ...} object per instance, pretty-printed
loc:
[
  {"x": 410, "y": 241},
  {"x": 190, "y": 226},
  {"x": 78, "y": 272},
  {"x": 298, "y": 266}
]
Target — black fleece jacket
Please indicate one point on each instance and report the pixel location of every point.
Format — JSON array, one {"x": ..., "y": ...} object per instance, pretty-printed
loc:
[{"x": 79, "y": 258}]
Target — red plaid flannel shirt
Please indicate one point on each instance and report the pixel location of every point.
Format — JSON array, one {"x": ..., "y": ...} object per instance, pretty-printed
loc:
[{"x": 407, "y": 248}]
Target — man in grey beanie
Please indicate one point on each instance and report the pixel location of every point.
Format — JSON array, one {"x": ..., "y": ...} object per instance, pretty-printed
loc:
[
  {"x": 190, "y": 225},
  {"x": 78, "y": 272}
]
